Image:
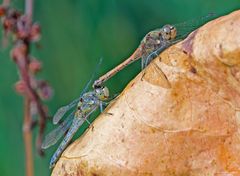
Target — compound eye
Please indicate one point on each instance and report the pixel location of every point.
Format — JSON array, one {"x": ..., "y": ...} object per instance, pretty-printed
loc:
[
  {"x": 171, "y": 27},
  {"x": 166, "y": 29},
  {"x": 106, "y": 92},
  {"x": 173, "y": 32}
]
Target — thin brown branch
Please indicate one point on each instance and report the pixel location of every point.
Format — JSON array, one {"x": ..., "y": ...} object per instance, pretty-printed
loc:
[
  {"x": 6, "y": 3},
  {"x": 29, "y": 10},
  {"x": 27, "y": 134},
  {"x": 27, "y": 116},
  {"x": 25, "y": 33},
  {"x": 23, "y": 68}
]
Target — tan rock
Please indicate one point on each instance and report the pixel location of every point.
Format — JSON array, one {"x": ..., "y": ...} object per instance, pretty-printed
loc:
[{"x": 180, "y": 116}]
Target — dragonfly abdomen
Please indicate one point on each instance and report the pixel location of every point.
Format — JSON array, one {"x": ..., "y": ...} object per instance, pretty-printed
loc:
[{"x": 77, "y": 122}]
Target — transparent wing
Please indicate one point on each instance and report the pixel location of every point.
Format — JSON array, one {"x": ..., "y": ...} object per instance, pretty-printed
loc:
[
  {"x": 183, "y": 29},
  {"x": 146, "y": 59},
  {"x": 61, "y": 111},
  {"x": 77, "y": 122},
  {"x": 58, "y": 132},
  {"x": 93, "y": 76}
]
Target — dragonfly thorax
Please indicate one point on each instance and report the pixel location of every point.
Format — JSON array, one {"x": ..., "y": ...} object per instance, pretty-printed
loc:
[
  {"x": 169, "y": 32},
  {"x": 86, "y": 101},
  {"x": 151, "y": 41}
]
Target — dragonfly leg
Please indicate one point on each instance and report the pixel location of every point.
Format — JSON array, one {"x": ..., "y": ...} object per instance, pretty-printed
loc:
[
  {"x": 147, "y": 60},
  {"x": 110, "y": 99},
  {"x": 89, "y": 123},
  {"x": 154, "y": 54},
  {"x": 101, "y": 106},
  {"x": 109, "y": 113},
  {"x": 142, "y": 63},
  {"x": 105, "y": 103},
  {"x": 150, "y": 58}
]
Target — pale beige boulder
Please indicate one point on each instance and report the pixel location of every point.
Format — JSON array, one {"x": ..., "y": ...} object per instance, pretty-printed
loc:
[{"x": 178, "y": 117}]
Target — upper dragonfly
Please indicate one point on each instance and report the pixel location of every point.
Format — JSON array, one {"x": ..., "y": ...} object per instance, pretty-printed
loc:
[
  {"x": 87, "y": 103},
  {"x": 154, "y": 43}
]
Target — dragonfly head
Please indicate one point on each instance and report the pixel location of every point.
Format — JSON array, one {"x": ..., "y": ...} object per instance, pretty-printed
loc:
[
  {"x": 169, "y": 32},
  {"x": 102, "y": 92}
]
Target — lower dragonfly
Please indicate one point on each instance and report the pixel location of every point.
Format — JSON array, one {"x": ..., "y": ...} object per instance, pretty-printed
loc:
[
  {"x": 155, "y": 42},
  {"x": 85, "y": 105}
]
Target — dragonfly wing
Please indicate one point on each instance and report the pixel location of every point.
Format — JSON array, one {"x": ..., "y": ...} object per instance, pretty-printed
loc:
[
  {"x": 77, "y": 122},
  {"x": 146, "y": 59},
  {"x": 57, "y": 133},
  {"x": 92, "y": 77},
  {"x": 183, "y": 29},
  {"x": 61, "y": 111}
]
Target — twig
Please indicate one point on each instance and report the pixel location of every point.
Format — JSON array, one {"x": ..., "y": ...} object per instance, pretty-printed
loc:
[
  {"x": 29, "y": 10},
  {"x": 25, "y": 33},
  {"x": 27, "y": 134},
  {"x": 6, "y": 2}
]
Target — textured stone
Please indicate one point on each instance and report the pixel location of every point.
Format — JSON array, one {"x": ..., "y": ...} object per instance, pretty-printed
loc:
[{"x": 179, "y": 116}]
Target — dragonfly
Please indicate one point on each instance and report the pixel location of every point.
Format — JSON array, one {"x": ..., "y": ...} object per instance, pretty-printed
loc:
[
  {"x": 83, "y": 107},
  {"x": 155, "y": 42}
]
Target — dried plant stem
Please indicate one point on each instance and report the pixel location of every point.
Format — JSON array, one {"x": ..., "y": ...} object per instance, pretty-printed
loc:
[
  {"x": 26, "y": 32},
  {"x": 23, "y": 70},
  {"x": 6, "y": 2},
  {"x": 27, "y": 134},
  {"x": 29, "y": 10}
]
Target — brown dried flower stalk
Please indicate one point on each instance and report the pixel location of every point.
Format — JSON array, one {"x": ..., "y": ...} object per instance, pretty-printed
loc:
[{"x": 24, "y": 33}]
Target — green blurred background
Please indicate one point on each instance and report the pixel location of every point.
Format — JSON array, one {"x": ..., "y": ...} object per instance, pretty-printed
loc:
[{"x": 76, "y": 34}]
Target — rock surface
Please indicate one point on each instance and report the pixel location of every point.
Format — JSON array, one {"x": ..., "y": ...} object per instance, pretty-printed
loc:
[{"x": 180, "y": 116}]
